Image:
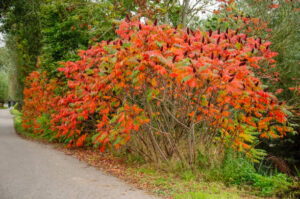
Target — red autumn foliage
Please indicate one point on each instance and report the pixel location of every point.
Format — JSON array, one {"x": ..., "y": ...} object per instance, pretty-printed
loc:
[
  {"x": 39, "y": 98},
  {"x": 166, "y": 87}
]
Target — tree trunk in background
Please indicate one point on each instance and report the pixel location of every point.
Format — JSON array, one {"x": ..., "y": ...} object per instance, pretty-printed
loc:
[{"x": 184, "y": 12}]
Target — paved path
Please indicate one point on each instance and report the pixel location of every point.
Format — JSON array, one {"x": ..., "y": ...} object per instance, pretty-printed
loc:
[{"x": 30, "y": 170}]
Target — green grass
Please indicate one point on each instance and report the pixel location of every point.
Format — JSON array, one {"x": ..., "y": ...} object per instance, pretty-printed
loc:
[
  {"x": 18, "y": 125},
  {"x": 17, "y": 120},
  {"x": 184, "y": 185},
  {"x": 236, "y": 177},
  {"x": 205, "y": 195}
]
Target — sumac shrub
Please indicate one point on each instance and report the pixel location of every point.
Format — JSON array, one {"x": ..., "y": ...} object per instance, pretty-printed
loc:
[
  {"x": 39, "y": 99},
  {"x": 169, "y": 92}
]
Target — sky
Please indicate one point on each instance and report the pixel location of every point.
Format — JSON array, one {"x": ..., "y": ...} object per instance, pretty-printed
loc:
[{"x": 1, "y": 40}]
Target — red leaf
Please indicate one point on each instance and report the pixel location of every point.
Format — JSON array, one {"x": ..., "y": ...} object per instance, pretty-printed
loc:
[{"x": 81, "y": 140}]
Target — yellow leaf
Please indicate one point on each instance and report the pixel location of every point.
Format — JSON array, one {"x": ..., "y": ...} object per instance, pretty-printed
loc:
[{"x": 153, "y": 82}]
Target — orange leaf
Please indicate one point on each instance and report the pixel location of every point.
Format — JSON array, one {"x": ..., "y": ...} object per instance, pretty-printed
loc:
[{"x": 81, "y": 140}]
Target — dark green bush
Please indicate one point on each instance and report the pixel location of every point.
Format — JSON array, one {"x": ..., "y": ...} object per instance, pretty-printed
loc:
[{"x": 240, "y": 171}]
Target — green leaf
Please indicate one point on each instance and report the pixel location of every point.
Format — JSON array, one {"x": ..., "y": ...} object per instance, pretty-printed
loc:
[
  {"x": 127, "y": 45},
  {"x": 186, "y": 78},
  {"x": 95, "y": 136},
  {"x": 117, "y": 141},
  {"x": 149, "y": 94},
  {"x": 238, "y": 45},
  {"x": 160, "y": 44},
  {"x": 80, "y": 118},
  {"x": 89, "y": 71},
  {"x": 114, "y": 119},
  {"x": 134, "y": 73}
]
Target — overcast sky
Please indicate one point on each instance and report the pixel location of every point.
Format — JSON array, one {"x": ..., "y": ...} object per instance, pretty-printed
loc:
[{"x": 1, "y": 40}]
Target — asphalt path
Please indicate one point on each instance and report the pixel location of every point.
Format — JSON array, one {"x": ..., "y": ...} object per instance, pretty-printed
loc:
[{"x": 30, "y": 170}]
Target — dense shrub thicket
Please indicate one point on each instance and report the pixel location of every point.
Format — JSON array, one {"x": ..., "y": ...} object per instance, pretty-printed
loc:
[
  {"x": 165, "y": 92},
  {"x": 51, "y": 31},
  {"x": 39, "y": 99}
]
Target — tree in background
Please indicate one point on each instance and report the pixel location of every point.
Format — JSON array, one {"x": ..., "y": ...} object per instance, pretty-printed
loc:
[
  {"x": 20, "y": 22},
  {"x": 69, "y": 25},
  {"x": 176, "y": 12},
  {"x": 3, "y": 87},
  {"x": 8, "y": 81},
  {"x": 55, "y": 30}
]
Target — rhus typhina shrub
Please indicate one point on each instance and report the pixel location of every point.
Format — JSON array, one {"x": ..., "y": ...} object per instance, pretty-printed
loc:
[
  {"x": 39, "y": 99},
  {"x": 168, "y": 93}
]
